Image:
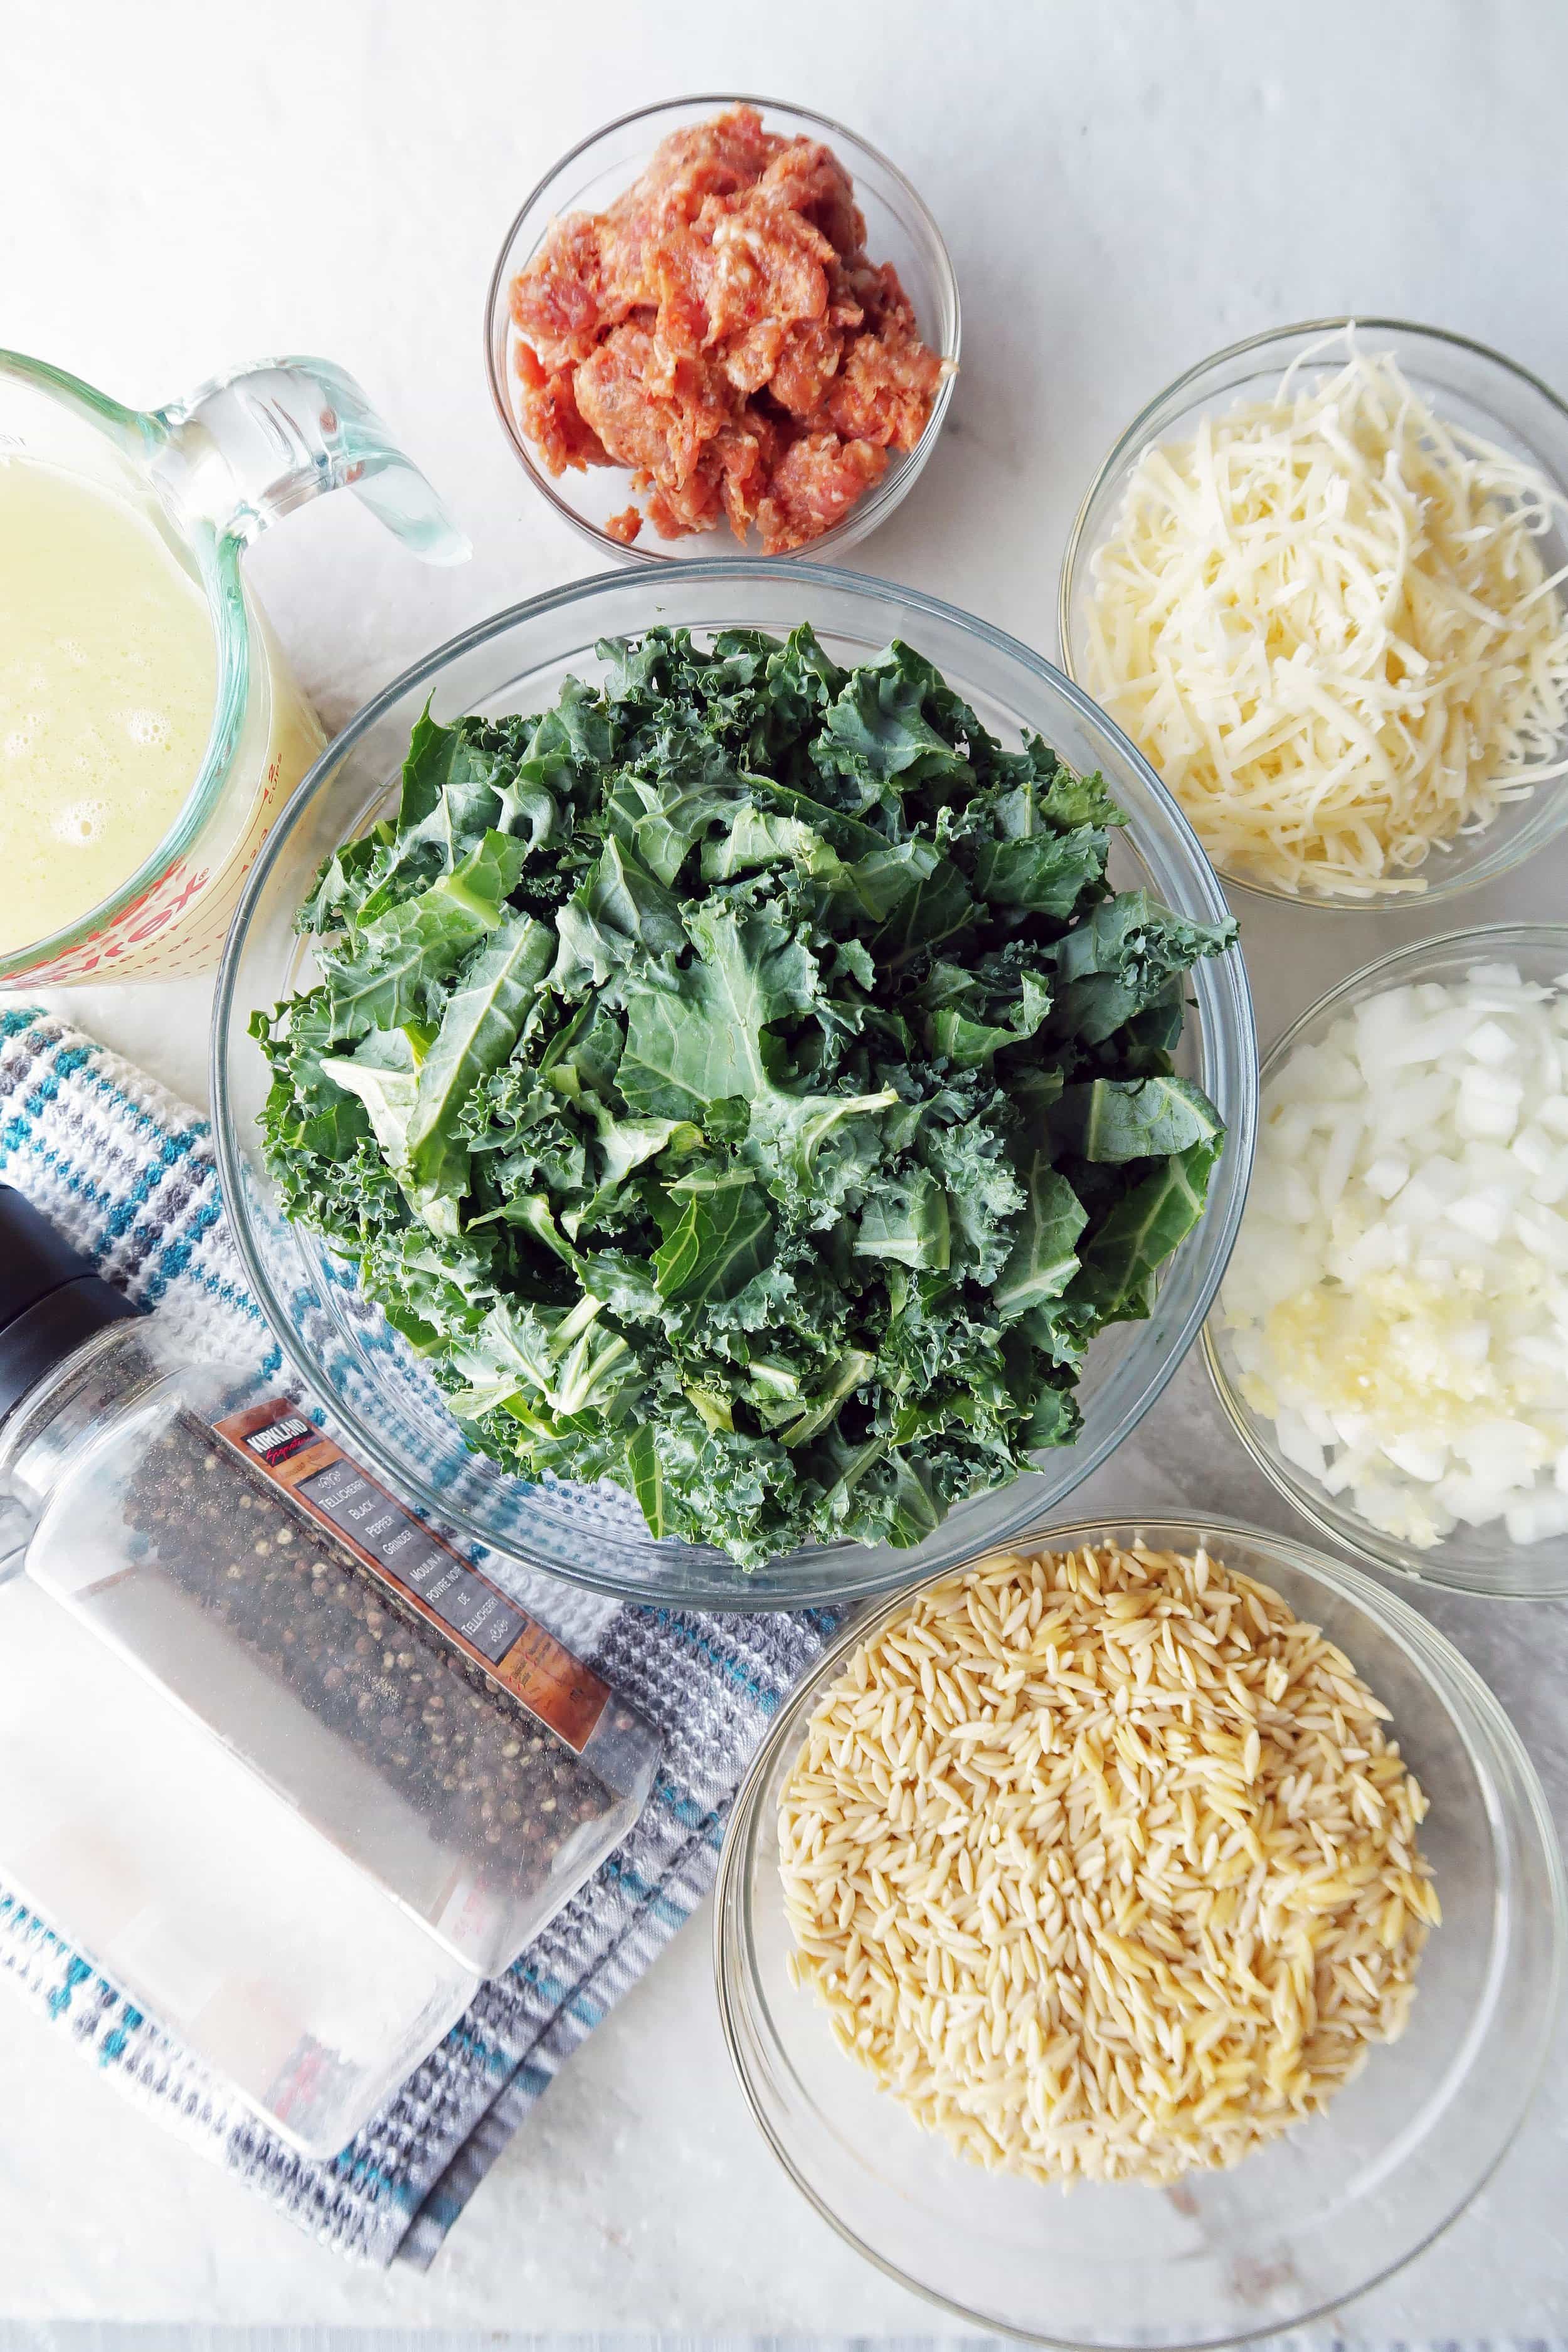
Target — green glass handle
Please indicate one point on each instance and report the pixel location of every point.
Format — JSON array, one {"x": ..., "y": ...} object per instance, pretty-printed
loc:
[{"x": 255, "y": 444}]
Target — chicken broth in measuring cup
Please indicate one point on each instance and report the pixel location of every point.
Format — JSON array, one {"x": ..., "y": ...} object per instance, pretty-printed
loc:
[
  {"x": 149, "y": 731},
  {"x": 108, "y": 678}
]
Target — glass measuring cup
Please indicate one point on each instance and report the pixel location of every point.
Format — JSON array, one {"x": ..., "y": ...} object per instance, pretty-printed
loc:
[{"x": 205, "y": 475}]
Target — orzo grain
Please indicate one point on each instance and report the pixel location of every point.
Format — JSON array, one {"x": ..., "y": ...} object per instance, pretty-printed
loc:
[{"x": 1101, "y": 1864}]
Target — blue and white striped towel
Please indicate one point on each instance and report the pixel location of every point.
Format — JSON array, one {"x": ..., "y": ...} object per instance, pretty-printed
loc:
[{"x": 127, "y": 1172}]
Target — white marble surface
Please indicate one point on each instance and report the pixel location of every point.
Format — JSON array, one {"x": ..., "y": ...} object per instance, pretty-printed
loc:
[{"x": 1123, "y": 189}]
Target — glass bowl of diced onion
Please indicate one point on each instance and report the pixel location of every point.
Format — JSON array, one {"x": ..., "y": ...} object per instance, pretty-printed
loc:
[
  {"x": 1391, "y": 1340},
  {"x": 1296, "y": 2228},
  {"x": 1189, "y": 691}
]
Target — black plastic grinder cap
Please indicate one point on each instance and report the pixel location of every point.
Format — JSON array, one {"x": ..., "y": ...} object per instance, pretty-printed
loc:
[{"x": 50, "y": 1299}]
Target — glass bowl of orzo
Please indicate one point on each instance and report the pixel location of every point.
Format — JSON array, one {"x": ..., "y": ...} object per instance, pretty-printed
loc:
[{"x": 1173, "y": 1863}]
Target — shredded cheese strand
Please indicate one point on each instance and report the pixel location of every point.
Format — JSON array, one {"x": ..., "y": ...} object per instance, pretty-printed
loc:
[{"x": 1326, "y": 620}]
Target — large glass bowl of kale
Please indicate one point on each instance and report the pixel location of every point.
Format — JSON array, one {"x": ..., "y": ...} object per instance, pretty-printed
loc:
[{"x": 735, "y": 1090}]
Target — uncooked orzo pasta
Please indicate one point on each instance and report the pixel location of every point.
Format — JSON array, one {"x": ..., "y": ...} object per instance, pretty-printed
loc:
[{"x": 1102, "y": 1864}]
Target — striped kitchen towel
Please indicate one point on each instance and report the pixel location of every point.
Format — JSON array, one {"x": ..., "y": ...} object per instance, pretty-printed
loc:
[{"x": 128, "y": 1174}]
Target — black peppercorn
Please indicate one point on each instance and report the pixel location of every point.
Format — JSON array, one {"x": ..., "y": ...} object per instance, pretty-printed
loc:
[{"x": 479, "y": 1771}]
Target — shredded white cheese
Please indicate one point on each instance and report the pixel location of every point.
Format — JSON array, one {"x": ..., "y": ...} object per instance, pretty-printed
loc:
[
  {"x": 1397, "y": 1301},
  {"x": 1326, "y": 621}
]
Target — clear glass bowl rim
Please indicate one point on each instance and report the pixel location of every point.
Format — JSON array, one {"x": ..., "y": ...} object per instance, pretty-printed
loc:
[
  {"x": 1130, "y": 443},
  {"x": 1441, "y": 1663},
  {"x": 1376, "y": 1550},
  {"x": 867, "y": 511},
  {"x": 1236, "y": 1044}
]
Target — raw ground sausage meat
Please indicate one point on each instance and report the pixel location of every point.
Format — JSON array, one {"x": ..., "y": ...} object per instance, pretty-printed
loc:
[{"x": 720, "y": 331}]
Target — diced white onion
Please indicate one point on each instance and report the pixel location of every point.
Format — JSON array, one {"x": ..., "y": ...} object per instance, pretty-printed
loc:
[
  {"x": 1397, "y": 1304},
  {"x": 1388, "y": 1175}
]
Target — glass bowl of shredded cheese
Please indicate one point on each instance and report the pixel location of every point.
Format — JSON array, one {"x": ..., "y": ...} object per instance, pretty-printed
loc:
[
  {"x": 1391, "y": 1337},
  {"x": 1322, "y": 583},
  {"x": 1009, "y": 1868}
]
